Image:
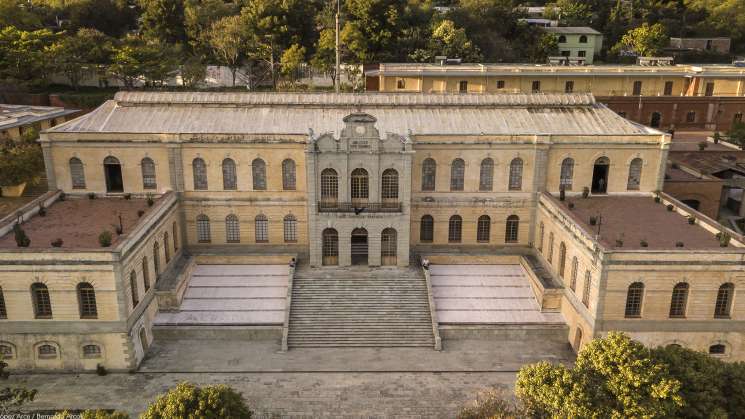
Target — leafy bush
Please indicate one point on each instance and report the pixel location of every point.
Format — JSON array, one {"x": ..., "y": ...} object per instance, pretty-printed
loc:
[
  {"x": 613, "y": 377},
  {"x": 20, "y": 163},
  {"x": 189, "y": 401},
  {"x": 104, "y": 239},
  {"x": 491, "y": 404}
]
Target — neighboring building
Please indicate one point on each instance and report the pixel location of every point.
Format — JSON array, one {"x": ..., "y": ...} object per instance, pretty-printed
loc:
[
  {"x": 16, "y": 120},
  {"x": 715, "y": 44},
  {"x": 339, "y": 180},
  {"x": 699, "y": 191},
  {"x": 580, "y": 41},
  {"x": 709, "y": 97}
]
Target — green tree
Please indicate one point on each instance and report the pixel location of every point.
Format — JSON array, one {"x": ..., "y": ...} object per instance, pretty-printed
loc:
[
  {"x": 189, "y": 401},
  {"x": 645, "y": 40},
  {"x": 573, "y": 12},
  {"x": 722, "y": 17},
  {"x": 199, "y": 16},
  {"x": 24, "y": 55},
  {"x": 163, "y": 20},
  {"x": 112, "y": 17},
  {"x": 291, "y": 61},
  {"x": 193, "y": 71},
  {"x": 736, "y": 134},
  {"x": 613, "y": 377},
  {"x": 75, "y": 54},
  {"x": 12, "y": 13},
  {"x": 138, "y": 59},
  {"x": 228, "y": 40},
  {"x": 451, "y": 41},
  {"x": 12, "y": 397},
  {"x": 324, "y": 58}
]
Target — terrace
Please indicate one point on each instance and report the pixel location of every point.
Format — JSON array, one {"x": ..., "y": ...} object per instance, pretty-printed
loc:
[
  {"x": 640, "y": 223},
  {"x": 78, "y": 221}
]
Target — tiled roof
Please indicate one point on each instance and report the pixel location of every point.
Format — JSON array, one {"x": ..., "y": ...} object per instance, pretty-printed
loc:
[
  {"x": 571, "y": 30},
  {"x": 293, "y": 113}
]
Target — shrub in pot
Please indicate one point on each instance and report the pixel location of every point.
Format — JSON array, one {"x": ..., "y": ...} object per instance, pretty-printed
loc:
[
  {"x": 585, "y": 192},
  {"x": 670, "y": 207},
  {"x": 679, "y": 244},
  {"x": 691, "y": 220},
  {"x": 150, "y": 200},
  {"x": 571, "y": 205},
  {"x": 20, "y": 236},
  {"x": 562, "y": 193},
  {"x": 91, "y": 195},
  {"x": 104, "y": 239},
  {"x": 643, "y": 243},
  {"x": 57, "y": 242}
]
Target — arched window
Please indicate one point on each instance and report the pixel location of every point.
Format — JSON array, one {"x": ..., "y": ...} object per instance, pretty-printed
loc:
[
  {"x": 148, "y": 173},
  {"x": 388, "y": 247},
  {"x": 486, "y": 175},
  {"x": 541, "y": 231},
  {"x": 512, "y": 229},
  {"x": 3, "y": 310},
  {"x": 723, "y": 305},
  {"x": 573, "y": 276},
  {"x": 583, "y": 39},
  {"x": 166, "y": 248},
  {"x": 133, "y": 289},
  {"x": 87, "y": 301},
  {"x": 562, "y": 258},
  {"x": 567, "y": 173},
  {"x": 390, "y": 184},
  {"x": 586, "y": 289},
  {"x": 679, "y": 300},
  {"x": 175, "y": 237},
  {"x": 290, "y": 228},
  {"x": 516, "y": 174},
  {"x": 483, "y": 229},
  {"x": 229, "y": 175},
  {"x": 634, "y": 298},
  {"x": 156, "y": 262},
  {"x": 330, "y": 247},
  {"x": 359, "y": 185},
  {"x": 426, "y": 229},
  {"x": 77, "y": 173},
  {"x": 203, "y": 229},
  {"x": 457, "y": 175},
  {"x": 199, "y": 171},
  {"x": 42, "y": 302},
  {"x": 258, "y": 170},
  {"x": 232, "y": 229},
  {"x": 562, "y": 38},
  {"x": 91, "y": 351},
  {"x": 429, "y": 174},
  {"x": 262, "y": 228},
  {"x": 329, "y": 186},
  {"x": 717, "y": 349},
  {"x": 6, "y": 351},
  {"x": 550, "y": 251},
  {"x": 455, "y": 229},
  {"x": 288, "y": 175},
  {"x": 47, "y": 351},
  {"x": 145, "y": 273},
  {"x": 635, "y": 175}
]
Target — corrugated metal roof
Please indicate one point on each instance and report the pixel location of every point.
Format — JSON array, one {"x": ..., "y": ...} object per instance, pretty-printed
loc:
[
  {"x": 571, "y": 30},
  {"x": 12, "y": 116},
  {"x": 296, "y": 113}
]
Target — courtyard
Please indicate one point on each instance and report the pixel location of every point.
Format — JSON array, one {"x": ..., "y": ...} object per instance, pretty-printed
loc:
[{"x": 308, "y": 382}]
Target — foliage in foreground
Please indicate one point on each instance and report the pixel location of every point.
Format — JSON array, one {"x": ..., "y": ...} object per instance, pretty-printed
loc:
[
  {"x": 189, "y": 401},
  {"x": 13, "y": 397},
  {"x": 20, "y": 162}
]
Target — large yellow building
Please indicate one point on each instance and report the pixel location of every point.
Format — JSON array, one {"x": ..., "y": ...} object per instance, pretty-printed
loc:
[{"x": 239, "y": 179}]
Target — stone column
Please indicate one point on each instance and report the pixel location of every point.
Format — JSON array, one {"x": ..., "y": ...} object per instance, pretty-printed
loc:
[
  {"x": 315, "y": 241},
  {"x": 540, "y": 176}
]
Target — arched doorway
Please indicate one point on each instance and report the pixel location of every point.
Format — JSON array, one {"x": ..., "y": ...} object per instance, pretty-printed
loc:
[
  {"x": 577, "y": 340},
  {"x": 330, "y": 247},
  {"x": 359, "y": 246},
  {"x": 388, "y": 247},
  {"x": 693, "y": 203},
  {"x": 600, "y": 175},
  {"x": 113, "y": 171},
  {"x": 655, "y": 120}
]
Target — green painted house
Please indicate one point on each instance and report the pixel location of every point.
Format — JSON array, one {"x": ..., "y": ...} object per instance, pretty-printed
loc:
[{"x": 579, "y": 41}]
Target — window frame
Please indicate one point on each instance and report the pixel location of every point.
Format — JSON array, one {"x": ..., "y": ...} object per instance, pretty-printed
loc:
[
  {"x": 426, "y": 225},
  {"x": 289, "y": 228},
  {"x": 258, "y": 175},
  {"x": 87, "y": 304},
  {"x": 261, "y": 229},
  {"x": 516, "y": 174},
  {"x": 42, "y": 301},
  {"x": 199, "y": 174},
  {"x": 455, "y": 229},
  {"x": 429, "y": 180},
  {"x": 289, "y": 175},
  {"x": 149, "y": 177},
  {"x": 483, "y": 229},
  {"x": 204, "y": 235},
  {"x": 512, "y": 229},
  {"x": 679, "y": 300},
  {"x": 232, "y": 229},
  {"x": 229, "y": 175},
  {"x": 634, "y": 300}
]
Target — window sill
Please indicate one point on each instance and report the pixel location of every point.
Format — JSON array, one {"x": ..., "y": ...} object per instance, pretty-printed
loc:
[
  {"x": 43, "y": 317},
  {"x": 89, "y": 317}
]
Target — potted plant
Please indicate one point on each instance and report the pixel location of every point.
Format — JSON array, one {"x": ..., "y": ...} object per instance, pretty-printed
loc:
[
  {"x": 585, "y": 192},
  {"x": 593, "y": 220},
  {"x": 670, "y": 207},
  {"x": 724, "y": 239},
  {"x": 104, "y": 239},
  {"x": 679, "y": 244},
  {"x": 643, "y": 243},
  {"x": 691, "y": 220},
  {"x": 571, "y": 205},
  {"x": 20, "y": 236},
  {"x": 702, "y": 145},
  {"x": 562, "y": 193},
  {"x": 717, "y": 137},
  {"x": 57, "y": 243}
]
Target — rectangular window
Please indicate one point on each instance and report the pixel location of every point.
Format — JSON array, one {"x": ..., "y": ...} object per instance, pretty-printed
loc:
[
  {"x": 3, "y": 311},
  {"x": 738, "y": 118},
  {"x": 569, "y": 87},
  {"x": 536, "y": 87},
  {"x": 668, "y": 88},
  {"x": 500, "y": 84},
  {"x": 709, "y": 89},
  {"x": 581, "y": 53},
  {"x": 637, "y": 88},
  {"x": 691, "y": 116},
  {"x": 565, "y": 53},
  {"x": 586, "y": 289},
  {"x": 400, "y": 84},
  {"x": 463, "y": 86}
]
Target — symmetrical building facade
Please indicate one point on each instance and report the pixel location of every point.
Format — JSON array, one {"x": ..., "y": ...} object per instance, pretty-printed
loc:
[{"x": 370, "y": 180}]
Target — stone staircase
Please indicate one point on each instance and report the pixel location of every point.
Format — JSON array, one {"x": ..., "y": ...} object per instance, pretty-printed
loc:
[
  {"x": 359, "y": 307},
  {"x": 37, "y": 188}
]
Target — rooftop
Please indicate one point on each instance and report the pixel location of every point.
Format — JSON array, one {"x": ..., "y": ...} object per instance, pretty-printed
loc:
[
  {"x": 711, "y": 162},
  {"x": 78, "y": 221},
  {"x": 572, "y": 30},
  {"x": 400, "y": 113},
  {"x": 636, "y": 218},
  {"x": 12, "y": 116}
]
